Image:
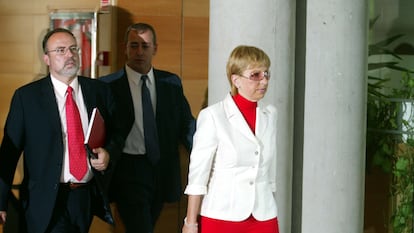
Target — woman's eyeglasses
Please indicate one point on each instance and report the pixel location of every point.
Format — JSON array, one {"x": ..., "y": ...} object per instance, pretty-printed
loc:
[{"x": 257, "y": 76}]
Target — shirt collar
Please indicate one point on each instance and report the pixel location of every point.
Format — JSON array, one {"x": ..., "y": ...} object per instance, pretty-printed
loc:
[
  {"x": 61, "y": 87},
  {"x": 136, "y": 77}
]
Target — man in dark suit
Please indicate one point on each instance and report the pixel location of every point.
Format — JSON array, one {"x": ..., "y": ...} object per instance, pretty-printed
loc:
[
  {"x": 54, "y": 196},
  {"x": 141, "y": 182}
]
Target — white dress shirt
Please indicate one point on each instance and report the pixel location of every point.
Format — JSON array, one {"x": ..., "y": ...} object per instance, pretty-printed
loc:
[
  {"x": 135, "y": 143},
  {"x": 60, "y": 89}
]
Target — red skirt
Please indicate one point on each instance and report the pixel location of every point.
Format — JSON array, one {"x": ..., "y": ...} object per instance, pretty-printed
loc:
[{"x": 250, "y": 225}]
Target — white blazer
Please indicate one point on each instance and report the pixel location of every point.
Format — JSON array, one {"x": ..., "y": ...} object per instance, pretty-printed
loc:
[{"x": 233, "y": 168}]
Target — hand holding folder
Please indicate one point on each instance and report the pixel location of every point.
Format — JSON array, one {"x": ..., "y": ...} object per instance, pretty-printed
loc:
[{"x": 96, "y": 134}]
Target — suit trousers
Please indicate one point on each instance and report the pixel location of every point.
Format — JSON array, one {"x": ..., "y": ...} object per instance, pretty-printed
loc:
[
  {"x": 72, "y": 212},
  {"x": 137, "y": 193}
]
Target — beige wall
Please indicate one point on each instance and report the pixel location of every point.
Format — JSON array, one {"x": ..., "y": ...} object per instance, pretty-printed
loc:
[
  {"x": 182, "y": 30},
  {"x": 181, "y": 25}
]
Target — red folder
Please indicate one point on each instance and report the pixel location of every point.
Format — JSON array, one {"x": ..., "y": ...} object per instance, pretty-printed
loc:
[{"x": 96, "y": 134}]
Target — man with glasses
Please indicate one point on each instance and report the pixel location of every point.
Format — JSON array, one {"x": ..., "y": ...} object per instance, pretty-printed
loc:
[
  {"x": 148, "y": 172},
  {"x": 62, "y": 187}
]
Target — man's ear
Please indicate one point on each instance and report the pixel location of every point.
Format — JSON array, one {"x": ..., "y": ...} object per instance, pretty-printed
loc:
[
  {"x": 155, "y": 49},
  {"x": 46, "y": 59}
]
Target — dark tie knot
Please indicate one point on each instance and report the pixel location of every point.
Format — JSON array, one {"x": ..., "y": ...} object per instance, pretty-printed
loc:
[{"x": 144, "y": 78}]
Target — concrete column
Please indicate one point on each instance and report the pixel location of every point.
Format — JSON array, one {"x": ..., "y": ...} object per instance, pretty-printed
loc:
[
  {"x": 330, "y": 94},
  {"x": 269, "y": 25},
  {"x": 330, "y": 89}
]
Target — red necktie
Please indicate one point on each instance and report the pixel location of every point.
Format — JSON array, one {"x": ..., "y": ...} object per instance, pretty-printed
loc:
[{"x": 77, "y": 154}]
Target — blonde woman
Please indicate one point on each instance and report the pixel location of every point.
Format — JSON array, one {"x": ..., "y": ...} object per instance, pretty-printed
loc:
[{"x": 232, "y": 174}]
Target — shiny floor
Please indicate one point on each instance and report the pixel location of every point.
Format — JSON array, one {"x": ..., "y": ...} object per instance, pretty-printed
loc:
[{"x": 169, "y": 222}]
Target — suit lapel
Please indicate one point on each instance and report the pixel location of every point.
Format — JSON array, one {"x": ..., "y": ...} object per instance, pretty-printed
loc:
[
  {"x": 88, "y": 95},
  {"x": 162, "y": 98},
  {"x": 48, "y": 100},
  {"x": 158, "y": 91},
  {"x": 236, "y": 119},
  {"x": 262, "y": 121},
  {"x": 124, "y": 91}
]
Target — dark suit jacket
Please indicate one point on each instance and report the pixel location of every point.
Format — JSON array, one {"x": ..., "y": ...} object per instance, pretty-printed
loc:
[
  {"x": 33, "y": 126},
  {"x": 175, "y": 123}
]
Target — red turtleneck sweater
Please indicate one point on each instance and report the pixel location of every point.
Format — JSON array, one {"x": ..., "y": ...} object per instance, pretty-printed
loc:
[{"x": 248, "y": 110}]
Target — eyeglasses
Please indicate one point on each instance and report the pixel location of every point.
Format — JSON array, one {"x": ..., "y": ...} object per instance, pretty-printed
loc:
[
  {"x": 257, "y": 76},
  {"x": 64, "y": 50}
]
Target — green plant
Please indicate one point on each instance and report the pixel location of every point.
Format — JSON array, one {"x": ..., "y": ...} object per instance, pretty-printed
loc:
[
  {"x": 390, "y": 127},
  {"x": 391, "y": 143},
  {"x": 402, "y": 189},
  {"x": 382, "y": 113}
]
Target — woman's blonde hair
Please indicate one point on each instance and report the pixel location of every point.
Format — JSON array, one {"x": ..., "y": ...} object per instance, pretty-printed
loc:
[{"x": 245, "y": 57}]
